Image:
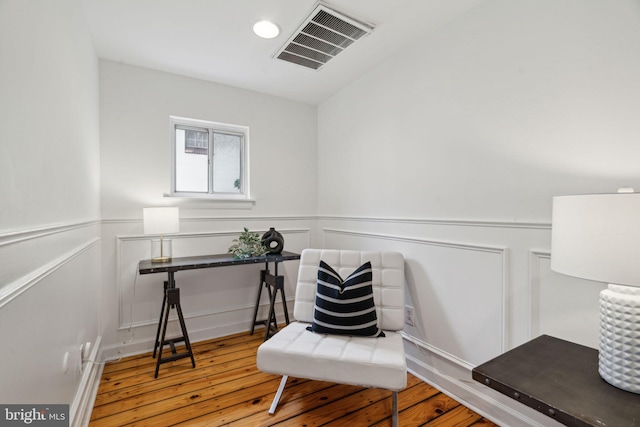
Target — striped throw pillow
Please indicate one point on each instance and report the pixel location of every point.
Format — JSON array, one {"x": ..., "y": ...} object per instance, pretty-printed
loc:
[{"x": 345, "y": 307}]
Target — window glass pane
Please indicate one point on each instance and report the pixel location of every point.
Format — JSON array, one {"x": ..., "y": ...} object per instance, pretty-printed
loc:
[
  {"x": 192, "y": 167},
  {"x": 227, "y": 172},
  {"x": 197, "y": 142}
]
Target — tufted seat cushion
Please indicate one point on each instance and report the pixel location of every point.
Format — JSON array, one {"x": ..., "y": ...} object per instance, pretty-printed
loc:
[{"x": 369, "y": 362}]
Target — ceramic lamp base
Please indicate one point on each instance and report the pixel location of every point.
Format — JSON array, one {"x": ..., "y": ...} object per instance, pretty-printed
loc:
[{"x": 619, "y": 360}]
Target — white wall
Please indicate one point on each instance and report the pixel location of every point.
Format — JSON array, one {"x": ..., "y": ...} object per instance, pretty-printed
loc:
[
  {"x": 476, "y": 128},
  {"x": 451, "y": 152},
  {"x": 135, "y": 105},
  {"x": 49, "y": 218}
]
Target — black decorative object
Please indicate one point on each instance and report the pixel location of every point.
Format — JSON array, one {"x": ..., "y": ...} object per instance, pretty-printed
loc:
[{"x": 273, "y": 241}]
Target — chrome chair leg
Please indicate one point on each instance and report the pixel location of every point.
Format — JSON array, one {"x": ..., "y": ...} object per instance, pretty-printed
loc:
[
  {"x": 276, "y": 399},
  {"x": 394, "y": 409}
]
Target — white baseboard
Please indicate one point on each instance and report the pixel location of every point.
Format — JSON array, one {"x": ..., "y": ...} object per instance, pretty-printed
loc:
[
  {"x": 145, "y": 344},
  {"x": 487, "y": 402},
  {"x": 82, "y": 405}
]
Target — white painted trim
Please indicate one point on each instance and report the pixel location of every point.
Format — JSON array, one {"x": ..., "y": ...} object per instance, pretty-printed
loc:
[
  {"x": 443, "y": 222},
  {"x": 216, "y": 219},
  {"x": 18, "y": 236},
  {"x": 534, "y": 290},
  {"x": 391, "y": 220},
  {"x": 145, "y": 345},
  {"x": 234, "y": 233},
  {"x": 502, "y": 251},
  {"x": 196, "y": 200},
  {"x": 14, "y": 289},
  {"x": 435, "y": 350},
  {"x": 203, "y": 313},
  {"x": 82, "y": 405}
]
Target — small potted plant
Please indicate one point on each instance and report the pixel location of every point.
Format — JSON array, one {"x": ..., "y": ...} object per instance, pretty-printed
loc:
[{"x": 248, "y": 245}]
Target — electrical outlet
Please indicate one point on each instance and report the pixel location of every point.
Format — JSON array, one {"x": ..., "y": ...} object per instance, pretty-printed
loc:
[
  {"x": 409, "y": 317},
  {"x": 84, "y": 351}
]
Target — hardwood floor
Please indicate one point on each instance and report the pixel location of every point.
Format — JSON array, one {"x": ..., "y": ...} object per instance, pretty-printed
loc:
[{"x": 226, "y": 389}]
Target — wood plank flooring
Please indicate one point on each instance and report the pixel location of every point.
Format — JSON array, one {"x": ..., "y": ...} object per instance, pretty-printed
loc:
[{"x": 226, "y": 389}]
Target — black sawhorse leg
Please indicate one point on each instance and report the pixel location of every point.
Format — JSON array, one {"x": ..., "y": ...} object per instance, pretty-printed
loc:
[
  {"x": 273, "y": 283},
  {"x": 172, "y": 300},
  {"x": 264, "y": 322},
  {"x": 164, "y": 302},
  {"x": 277, "y": 283}
]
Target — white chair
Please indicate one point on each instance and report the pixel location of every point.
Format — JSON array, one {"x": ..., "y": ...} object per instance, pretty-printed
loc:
[{"x": 369, "y": 362}]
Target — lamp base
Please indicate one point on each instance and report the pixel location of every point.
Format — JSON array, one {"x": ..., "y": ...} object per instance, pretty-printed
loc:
[
  {"x": 619, "y": 359},
  {"x": 160, "y": 250}
]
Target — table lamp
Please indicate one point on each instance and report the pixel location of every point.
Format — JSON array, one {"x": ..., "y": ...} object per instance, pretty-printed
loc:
[
  {"x": 161, "y": 220},
  {"x": 597, "y": 237}
]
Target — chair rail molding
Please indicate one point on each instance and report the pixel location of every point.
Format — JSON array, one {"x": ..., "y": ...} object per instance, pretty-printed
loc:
[
  {"x": 210, "y": 218},
  {"x": 11, "y": 291},
  {"x": 18, "y": 236},
  {"x": 442, "y": 222}
]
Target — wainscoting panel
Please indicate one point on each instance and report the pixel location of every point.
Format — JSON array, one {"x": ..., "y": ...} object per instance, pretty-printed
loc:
[
  {"x": 457, "y": 290},
  {"x": 479, "y": 289},
  {"x": 563, "y": 306},
  {"x": 48, "y": 311},
  {"x": 226, "y": 293}
]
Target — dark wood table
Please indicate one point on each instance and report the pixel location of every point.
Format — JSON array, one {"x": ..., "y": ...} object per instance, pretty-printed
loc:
[
  {"x": 560, "y": 379},
  {"x": 272, "y": 282}
]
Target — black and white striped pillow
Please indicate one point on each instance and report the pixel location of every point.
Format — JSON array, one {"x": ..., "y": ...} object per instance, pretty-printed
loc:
[{"x": 345, "y": 307}]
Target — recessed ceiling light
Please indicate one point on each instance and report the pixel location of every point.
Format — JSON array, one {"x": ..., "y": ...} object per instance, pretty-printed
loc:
[{"x": 266, "y": 29}]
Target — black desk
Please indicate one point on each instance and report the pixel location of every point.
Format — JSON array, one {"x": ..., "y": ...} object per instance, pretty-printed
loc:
[
  {"x": 560, "y": 379},
  {"x": 272, "y": 282},
  {"x": 210, "y": 261}
]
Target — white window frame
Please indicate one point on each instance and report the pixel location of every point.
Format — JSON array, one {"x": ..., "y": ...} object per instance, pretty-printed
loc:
[{"x": 244, "y": 193}]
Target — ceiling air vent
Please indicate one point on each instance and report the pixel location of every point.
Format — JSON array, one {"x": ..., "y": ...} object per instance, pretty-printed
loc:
[{"x": 323, "y": 35}]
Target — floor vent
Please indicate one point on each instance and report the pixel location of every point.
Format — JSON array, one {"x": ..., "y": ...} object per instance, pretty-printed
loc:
[{"x": 323, "y": 35}]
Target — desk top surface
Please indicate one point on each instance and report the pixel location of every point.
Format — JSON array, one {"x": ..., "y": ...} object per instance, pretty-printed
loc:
[
  {"x": 208, "y": 261},
  {"x": 560, "y": 379}
]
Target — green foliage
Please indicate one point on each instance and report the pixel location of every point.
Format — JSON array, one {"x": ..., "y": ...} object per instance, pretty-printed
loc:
[{"x": 249, "y": 244}]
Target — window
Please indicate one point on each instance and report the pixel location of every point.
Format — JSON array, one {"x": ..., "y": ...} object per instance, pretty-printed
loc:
[{"x": 209, "y": 159}]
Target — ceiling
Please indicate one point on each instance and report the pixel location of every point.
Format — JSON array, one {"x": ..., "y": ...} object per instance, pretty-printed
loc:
[{"x": 213, "y": 39}]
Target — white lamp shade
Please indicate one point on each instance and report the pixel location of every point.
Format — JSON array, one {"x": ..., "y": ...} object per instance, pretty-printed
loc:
[
  {"x": 161, "y": 220},
  {"x": 597, "y": 237}
]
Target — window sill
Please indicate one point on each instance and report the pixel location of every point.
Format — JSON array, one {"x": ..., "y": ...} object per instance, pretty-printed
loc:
[{"x": 227, "y": 202}]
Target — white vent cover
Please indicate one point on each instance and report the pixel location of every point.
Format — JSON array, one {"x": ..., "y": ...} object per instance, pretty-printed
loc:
[{"x": 323, "y": 35}]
